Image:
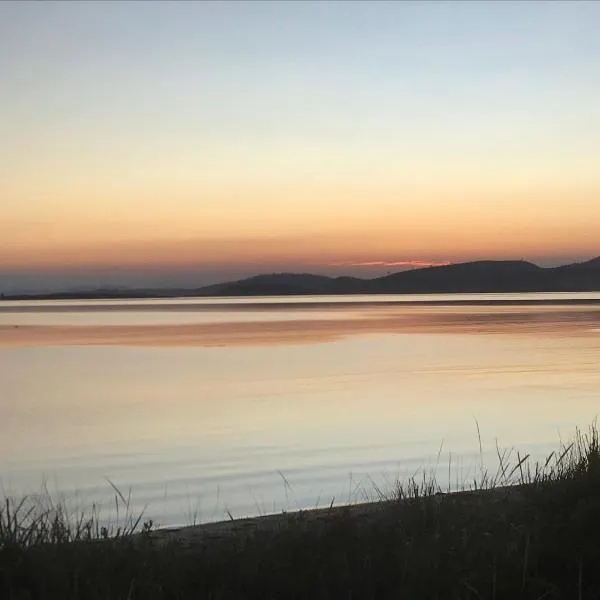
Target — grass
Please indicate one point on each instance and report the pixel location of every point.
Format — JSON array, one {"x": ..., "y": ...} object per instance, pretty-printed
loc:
[{"x": 527, "y": 531}]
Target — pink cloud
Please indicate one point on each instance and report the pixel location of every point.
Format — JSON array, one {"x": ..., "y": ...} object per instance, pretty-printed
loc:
[{"x": 390, "y": 263}]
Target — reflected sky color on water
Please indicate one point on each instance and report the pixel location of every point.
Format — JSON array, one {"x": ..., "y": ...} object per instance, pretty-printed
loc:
[{"x": 208, "y": 411}]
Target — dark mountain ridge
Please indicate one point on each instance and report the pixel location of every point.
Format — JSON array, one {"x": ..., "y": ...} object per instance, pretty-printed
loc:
[
  {"x": 485, "y": 276},
  {"x": 471, "y": 277}
]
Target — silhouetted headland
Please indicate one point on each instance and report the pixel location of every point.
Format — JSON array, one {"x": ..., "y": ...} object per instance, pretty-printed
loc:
[{"x": 471, "y": 277}]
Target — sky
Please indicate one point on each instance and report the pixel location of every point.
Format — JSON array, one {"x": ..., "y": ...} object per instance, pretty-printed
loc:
[{"x": 183, "y": 143}]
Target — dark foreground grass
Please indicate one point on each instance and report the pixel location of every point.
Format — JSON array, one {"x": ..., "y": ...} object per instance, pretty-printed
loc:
[{"x": 537, "y": 538}]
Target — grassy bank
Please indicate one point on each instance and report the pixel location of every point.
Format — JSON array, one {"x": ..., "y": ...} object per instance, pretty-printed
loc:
[{"x": 527, "y": 531}]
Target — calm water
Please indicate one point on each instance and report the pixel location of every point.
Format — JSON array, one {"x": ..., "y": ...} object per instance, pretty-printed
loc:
[{"x": 257, "y": 405}]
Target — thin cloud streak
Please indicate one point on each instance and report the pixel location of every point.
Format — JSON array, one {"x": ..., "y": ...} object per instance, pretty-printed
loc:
[{"x": 391, "y": 263}]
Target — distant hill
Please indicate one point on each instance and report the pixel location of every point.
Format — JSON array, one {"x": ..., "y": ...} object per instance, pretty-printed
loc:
[
  {"x": 480, "y": 276},
  {"x": 281, "y": 284},
  {"x": 584, "y": 276},
  {"x": 470, "y": 277}
]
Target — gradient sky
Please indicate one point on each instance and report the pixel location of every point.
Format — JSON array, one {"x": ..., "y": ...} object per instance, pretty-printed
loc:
[{"x": 208, "y": 140}]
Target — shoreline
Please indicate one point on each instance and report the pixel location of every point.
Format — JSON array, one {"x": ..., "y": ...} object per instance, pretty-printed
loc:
[
  {"x": 367, "y": 513},
  {"x": 7, "y": 304},
  {"x": 528, "y": 531}
]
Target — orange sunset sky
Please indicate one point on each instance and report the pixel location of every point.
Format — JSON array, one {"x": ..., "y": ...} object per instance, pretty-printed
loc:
[{"x": 195, "y": 142}]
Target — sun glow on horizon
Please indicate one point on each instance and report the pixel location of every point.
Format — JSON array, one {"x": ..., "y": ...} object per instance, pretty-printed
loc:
[{"x": 257, "y": 136}]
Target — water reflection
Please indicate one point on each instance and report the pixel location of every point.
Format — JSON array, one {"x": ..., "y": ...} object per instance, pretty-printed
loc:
[
  {"x": 189, "y": 426},
  {"x": 310, "y": 326}
]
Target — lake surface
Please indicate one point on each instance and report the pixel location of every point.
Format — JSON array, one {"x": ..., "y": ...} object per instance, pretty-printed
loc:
[{"x": 250, "y": 406}]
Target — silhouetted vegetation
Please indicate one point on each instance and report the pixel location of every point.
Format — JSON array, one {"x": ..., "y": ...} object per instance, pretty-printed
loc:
[{"x": 528, "y": 531}]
